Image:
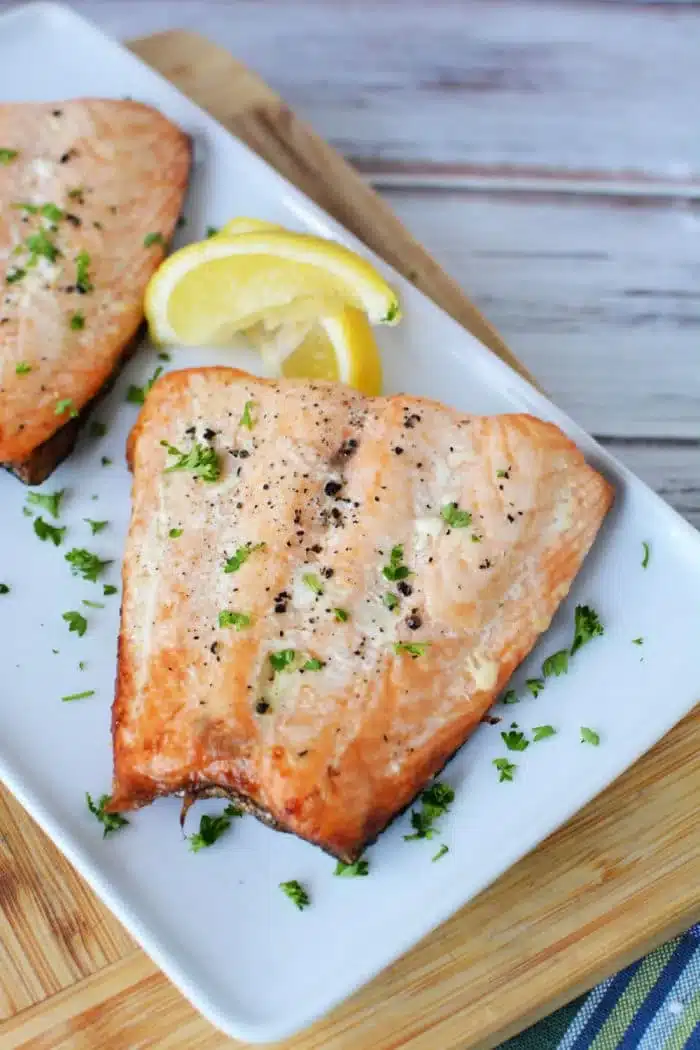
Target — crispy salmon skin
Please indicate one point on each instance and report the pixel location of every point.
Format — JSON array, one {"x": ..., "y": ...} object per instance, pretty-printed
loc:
[
  {"x": 83, "y": 184},
  {"x": 323, "y": 593}
]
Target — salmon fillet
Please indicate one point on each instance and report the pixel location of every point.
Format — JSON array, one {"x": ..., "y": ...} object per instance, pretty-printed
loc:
[
  {"x": 300, "y": 704},
  {"x": 82, "y": 184}
]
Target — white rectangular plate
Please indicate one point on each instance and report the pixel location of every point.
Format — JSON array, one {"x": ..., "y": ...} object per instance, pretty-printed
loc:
[{"x": 216, "y": 921}]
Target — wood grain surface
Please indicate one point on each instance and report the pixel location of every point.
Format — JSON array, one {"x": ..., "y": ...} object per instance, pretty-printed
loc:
[{"x": 567, "y": 277}]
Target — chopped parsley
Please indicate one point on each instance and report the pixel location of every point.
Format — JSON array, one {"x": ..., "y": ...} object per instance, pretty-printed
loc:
[
  {"x": 227, "y": 618},
  {"x": 8, "y": 155},
  {"x": 589, "y": 736},
  {"x": 586, "y": 626},
  {"x": 78, "y": 696},
  {"x": 82, "y": 273},
  {"x": 92, "y": 605},
  {"x": 392, "y": 313},
  {"x": 163, "y": 355},
  {"x": 110, "y": 821},
  {"x": 108, "y": 589},
  {"x": 14, "y": 275},
  {"x": 4, "y": 589},
  {"x": 77, "y": 322},
  {"x": 341, "y": 616},
  {"x": 241, "y": 556},
  {"x": 637, "y": 641},
  {"x": 201, "y": 460},
  {"x": 246, "y": 419},
  {"x": 136, "y": 395},
  {"x": 351, "y": 871},
  {"x": 81, "y": 665},
  {"x": 515, "y": 740},
  {"x": 313, "y": 583},
  {"x": 455, "y": 518},
  {"x": 97, "y": 429},
  {"x": 293, "y": 889},
  {"x": 76, "y": 193},
  {"x": 76, "y": 622},
  {"x": 84, "y": 563},
  {"x": 390, "y": 600},
  {"x": 441, "y": 852},
  {"x": 435, "y": 802},
  {"x": 50, "y": 501},
  {"x": 646, "y": 552},
  {"x": 212, "y": 828},
  {"x": 505, "y": 769},
  {"x": 414, "y": 649},
  {"x": 501, "y": 473},
  {"x": 542, "y": 732},
  {"x": 66, "y": 405},
  {"x": 511, "y": 697},
  {"x": 96, "y": 526},
  {"x": 153, "y": 238},
  {"x": 535, "y": 685},
  {"x": 22, "y": 368},
  {"x": 556, "y": 664},
  {"x": 52, "y": 212},
  {"x": 395, "y": 570},
  {"x": 40, "y": 246},
  {"x": 175, "y": 534},
  {"x": 212, "y": 231},
  {"x": 106, "y": 462},
  {"x": 282, "y": 659},
  {"x": 49, "y": 532},
  {"x": 313, "y": 664}
]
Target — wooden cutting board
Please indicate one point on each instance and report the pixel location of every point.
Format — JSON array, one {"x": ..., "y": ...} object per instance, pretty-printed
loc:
[{"x": 618, "y": 879}]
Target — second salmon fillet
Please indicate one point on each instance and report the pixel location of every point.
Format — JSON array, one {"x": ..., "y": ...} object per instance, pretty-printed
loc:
[{"x": 324, "y": 593}]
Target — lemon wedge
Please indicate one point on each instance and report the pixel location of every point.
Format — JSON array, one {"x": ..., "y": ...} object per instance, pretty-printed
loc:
[
  {"x": 243, "y": 224},
  {"x": 207, "y": 292}
]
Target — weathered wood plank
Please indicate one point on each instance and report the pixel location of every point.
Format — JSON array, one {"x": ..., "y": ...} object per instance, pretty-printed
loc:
[
  {"x": 672, "y": 470},
  {"x": 599, "y": 297},
  {"x": 525, "y": 85}
]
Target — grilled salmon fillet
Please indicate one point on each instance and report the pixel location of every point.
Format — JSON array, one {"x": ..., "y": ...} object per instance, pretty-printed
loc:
[
  {"x": 82, "y": 185},
  {"x": 323, "y": 593}
]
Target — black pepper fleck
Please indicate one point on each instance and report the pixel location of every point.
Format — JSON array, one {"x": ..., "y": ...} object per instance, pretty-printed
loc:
[
  {"x": 413, "y": 622},
  {"x": 404, "y": 588}
]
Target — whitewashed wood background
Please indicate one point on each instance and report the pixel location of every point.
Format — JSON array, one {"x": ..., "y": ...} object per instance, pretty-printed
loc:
[{"x": 547, "y": 153}]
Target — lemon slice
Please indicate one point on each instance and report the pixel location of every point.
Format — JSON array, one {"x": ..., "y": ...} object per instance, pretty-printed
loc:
[
  {"x": 242, "y": 224},
  {"x": 205, "y": 293}
]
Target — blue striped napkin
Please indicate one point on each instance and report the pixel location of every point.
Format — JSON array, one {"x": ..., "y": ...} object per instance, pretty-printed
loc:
[{"x": 652, "y": 1005}]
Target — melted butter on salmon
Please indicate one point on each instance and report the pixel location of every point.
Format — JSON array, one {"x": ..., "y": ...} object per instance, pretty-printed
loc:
[{"x": 456, "y": 535}]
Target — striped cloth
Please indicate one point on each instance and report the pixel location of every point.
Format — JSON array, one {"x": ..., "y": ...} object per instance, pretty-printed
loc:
[{"x": 652, "y": 1005}]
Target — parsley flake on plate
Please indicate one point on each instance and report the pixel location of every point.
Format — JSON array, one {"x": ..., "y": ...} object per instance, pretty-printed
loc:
[
  {"x": 395, "y": 570},
  {"x": 50, "y": 501},
  {"x": 106, "y": 462},
  {"x": 282, "y": 659},
  {"x": 108, "y": 589},
  {"x": 8, "y": 155},
  {"x": 435, "y": 802},
  {"x": 49, "y": 532},
  {"x": 96, "y": 526},
  {"x": 455, "y": 518},
  {"x": 136, "y": 395},
  {"x": 240, "y": 557},
  {"x": 637, "y": 641},
  {"x": 441, "y": 852},
  {"x": 313, "y": 583},
  {"x": 92, "y": 605},
  {"x": 351, "y": 871},
  {"x": 66, "y": 405},
  {"x": 78, "y": 696},
  {"x": 515, "y": 740},
  {"x": 511, "y": 697},
  {"x": 296, "y": 893},
  {"x": 153, "y": 238},
  {"x": 97, "y": 429},
  {"x": 84, "y": 563},
  {"x": 211, "y": 231},
  {"x": 22, "y": 368},
  {"x": 201, "y": 460},
  {"x": 246, "y": 419},
  {"x": 589, "y": 736},
  {"x": 505, "y": 769},
  {"x": 163, "y": 355},
  {"x": 76, "y": 622},
  {"x": 646, "y": 554},
  {"x": 110, "y": 821},
  {"x": 542, "y": 732},
  {"x": 535, "y": 685},
  {"x": 556, "y": 664},
  {"x": 4, "y": 588},
  {"x": 212, "y": 828},
  {"x": 227, "y": 618},
  {"x": 586, "y": 626}
]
